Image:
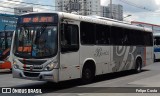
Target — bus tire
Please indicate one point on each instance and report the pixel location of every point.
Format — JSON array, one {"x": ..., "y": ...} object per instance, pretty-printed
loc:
[
  {"x": 138, "y": 67},
  {"x": 88, "y": 74}
]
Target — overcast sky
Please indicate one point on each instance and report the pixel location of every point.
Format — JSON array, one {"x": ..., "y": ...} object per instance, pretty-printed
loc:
[{"x": 138, "y": 14}]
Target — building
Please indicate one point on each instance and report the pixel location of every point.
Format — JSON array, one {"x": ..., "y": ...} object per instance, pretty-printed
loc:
[
  {"x": 7, "y": 22},
  {"x": 22, "y": 10},
  {"x": 155, "y": 28},
  {"x": 116, "y": 12},
  {"x": 105, "y": 11},
  {"x": 90, "y": 7},
  {"x": 82, "y": 7},
  {"x": 67, "y": 5}
]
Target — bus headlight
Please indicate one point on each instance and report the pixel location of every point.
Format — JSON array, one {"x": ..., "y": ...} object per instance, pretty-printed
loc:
[
  {"x": 50, "y": 66},
  {"x": 15, "y": 65}
]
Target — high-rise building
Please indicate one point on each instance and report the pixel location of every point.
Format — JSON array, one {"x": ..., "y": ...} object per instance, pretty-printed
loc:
[
  {"x": 105, "y": 11},
  {"x": 90, "y": 7},
  {"x": 82, "y": 7},
  {"x": 115, "y": 11},
  {"x": 67, "y": 5}
]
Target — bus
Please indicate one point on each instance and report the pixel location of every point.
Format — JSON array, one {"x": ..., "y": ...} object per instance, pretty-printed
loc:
[
  {"x": 5, "y": 44},
  {"x": 61, "y": 46},
  {"x": 156, "y": 46}
]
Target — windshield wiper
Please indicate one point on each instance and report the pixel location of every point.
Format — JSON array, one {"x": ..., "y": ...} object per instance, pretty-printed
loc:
[
  {"x": 25, "y": 32},
  {"x": 42, "y": 31},
  {"x": 4, "y": 41}
]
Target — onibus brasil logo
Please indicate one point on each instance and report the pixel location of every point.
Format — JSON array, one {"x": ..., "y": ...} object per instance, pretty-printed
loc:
[{"x": 21, "y": 91}]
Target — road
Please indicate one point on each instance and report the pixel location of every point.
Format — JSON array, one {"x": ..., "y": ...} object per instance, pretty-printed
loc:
[{"x": 115, "y": 84}]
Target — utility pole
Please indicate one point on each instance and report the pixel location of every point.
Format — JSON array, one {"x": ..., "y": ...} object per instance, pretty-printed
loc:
[{"x": 111, "y": 9}]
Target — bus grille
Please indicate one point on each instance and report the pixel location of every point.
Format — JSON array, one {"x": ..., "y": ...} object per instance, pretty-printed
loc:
[
  {"x": 28, "y": 74},
  {"x": 29, "y": 62}
]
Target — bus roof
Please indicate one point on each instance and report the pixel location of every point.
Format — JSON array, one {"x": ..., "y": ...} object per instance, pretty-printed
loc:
[{"x": 105, "y": 21}]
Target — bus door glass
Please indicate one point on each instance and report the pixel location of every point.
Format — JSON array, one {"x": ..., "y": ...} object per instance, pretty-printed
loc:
[{"x": 69, "y": 56}]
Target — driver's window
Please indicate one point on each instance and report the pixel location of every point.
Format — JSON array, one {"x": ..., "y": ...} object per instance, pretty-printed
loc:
[{"x": 69, "y": 38}]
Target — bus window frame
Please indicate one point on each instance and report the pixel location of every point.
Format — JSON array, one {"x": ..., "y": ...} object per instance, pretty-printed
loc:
[{"x": 67, "y": 48}]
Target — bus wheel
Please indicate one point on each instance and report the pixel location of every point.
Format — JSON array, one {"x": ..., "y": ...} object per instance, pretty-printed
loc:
[
  {"x": 138, "y": 67},
  {"x": 87, "y": 74}
]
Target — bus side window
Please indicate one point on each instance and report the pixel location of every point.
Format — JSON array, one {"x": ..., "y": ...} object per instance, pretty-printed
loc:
[
  {"x": 87, "y": 33},
  {"x": 102, "y": 34},
  {"x": 155, "y": 42},
  {"x": 148, "y": 39},
  {"x": 69, "y": 38},
  {"x": 117, "y": 35}
]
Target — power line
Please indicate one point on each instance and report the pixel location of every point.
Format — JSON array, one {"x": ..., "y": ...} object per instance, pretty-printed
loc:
[
  {"x": 124, "y": 1},
  {"x": 33, "y": 3},
  {"x": 6, "y": 7},
  {"x": 135, "y": 5},
  {"x": 50, "y": 9},
  {"x": 43, "y": 6},
  {"x": 47, "y": 6},
  {"x": 26, "y": 6},
  {"x": 139, "y": 6},
  {"x": 6, "y": 11}
]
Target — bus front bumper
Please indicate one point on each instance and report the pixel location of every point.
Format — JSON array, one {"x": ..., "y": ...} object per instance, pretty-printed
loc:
[
  {"x": 41, "y": 76},
  {"x": 5, "y": 65}
]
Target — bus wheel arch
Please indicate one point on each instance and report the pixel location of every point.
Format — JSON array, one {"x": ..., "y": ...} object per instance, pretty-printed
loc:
[
  {"x": 138, "y": 64},
  {"x": 88, "y": 71}
]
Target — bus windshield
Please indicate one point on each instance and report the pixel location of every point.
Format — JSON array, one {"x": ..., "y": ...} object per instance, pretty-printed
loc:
[
  {"x": 5, "y": 43},
  {"x": 36, "y": 41}
]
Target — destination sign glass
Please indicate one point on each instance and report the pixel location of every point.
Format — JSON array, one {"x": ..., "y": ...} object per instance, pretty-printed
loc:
[{"x": 38, "y": 19}]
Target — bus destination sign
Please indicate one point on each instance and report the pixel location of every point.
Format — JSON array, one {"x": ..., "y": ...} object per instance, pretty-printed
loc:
[{"x": 39, "y": 19}]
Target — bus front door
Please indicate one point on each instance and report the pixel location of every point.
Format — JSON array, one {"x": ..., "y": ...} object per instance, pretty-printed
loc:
[{"x": 69, "y": 56}]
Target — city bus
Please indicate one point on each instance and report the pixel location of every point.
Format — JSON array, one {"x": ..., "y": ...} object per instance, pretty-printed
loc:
[
  {"x": 156, "y": 46},
  {"x": 5, "y": 44},
  {"x": 61, "y": 46}
]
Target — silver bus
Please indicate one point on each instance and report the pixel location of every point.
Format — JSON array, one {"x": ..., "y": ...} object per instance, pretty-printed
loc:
[{"x": 62, "y": 46}]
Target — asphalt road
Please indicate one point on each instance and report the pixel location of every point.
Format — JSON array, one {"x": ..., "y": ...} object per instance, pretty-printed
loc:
[{"x": 115, "y": 84}]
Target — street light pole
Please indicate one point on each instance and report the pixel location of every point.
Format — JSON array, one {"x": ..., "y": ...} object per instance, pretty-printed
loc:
[
  {"x": 127, "y": 16},
  {"x": 111, "y": 9}
]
